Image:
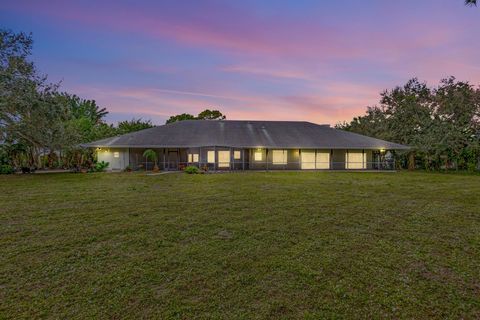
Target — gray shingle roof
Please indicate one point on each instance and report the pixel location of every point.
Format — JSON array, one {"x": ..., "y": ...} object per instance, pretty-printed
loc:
[{"x": 245, "y": 134}]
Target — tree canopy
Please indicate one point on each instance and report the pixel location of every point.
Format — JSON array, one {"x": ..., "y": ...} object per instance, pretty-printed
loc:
[
  {"x": 37, "y": 120},
  {"x": 442, "y": 124},
  {"x": 206, "y": 114}
]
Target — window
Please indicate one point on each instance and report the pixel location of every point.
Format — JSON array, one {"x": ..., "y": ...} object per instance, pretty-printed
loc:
[
  {"x": 116, "y": 154},
  {"x": 223, "y": 159},
  {"x": 193, "y": 157},
  {"x": 356, "y": 160},
  {"x": 236, "y": 155},
  {"x": 323, "y": 159},
  {"x": 211, "y": 156},
  {"x": 308, "y": 159},
  {"x": 279, "y": 156},
  {"x": 257, "y": 155}
]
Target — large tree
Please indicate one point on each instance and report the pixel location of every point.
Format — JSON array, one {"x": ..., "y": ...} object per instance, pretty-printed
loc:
[
  {"x": 29, "y": 113},
  {"x": 440, "y": 124},
  {"x": 180, "y": 117},
  {"x": 206, "y": 114},
  {"x": 133, "y": 125}
]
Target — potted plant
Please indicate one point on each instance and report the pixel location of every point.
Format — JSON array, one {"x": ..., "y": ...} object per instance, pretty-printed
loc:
[{"x": 152, "y": 155}]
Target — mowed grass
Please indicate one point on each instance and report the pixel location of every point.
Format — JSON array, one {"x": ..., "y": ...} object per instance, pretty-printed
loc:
[{"x": 240, "y": 246}]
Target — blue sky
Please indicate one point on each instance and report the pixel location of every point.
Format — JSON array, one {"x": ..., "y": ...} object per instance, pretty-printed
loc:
[{"x": 321, "y": 61}]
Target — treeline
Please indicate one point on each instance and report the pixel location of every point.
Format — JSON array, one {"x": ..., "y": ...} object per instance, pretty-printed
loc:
[
  {"x": 441, "y": 124},
  {"x": 40, "y": 126}
]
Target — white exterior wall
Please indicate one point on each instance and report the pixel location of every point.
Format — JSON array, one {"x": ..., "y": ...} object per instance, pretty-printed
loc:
[{"x": 109, "y": 155}]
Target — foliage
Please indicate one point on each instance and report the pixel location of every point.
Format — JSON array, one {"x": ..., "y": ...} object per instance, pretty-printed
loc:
[
  {"x": 133, "y": 125},
  {"x": 150, "y": 154},
  {"x": 37, "y": 122},
  {"x": 211, "y": 115},
  {"x": 191, "y": 170},
  {"x": 471, "y": 2},
  {"x": 441, "y": 124},
  {"x": 180, "y": 117},
  {"x": 101, "y": 166},
  {"x": 6, "y": 169},
  {"x": 206, "y": 114}
]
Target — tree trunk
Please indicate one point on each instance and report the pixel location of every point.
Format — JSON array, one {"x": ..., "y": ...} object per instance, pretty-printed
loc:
[{"x": 411, "y": 161}]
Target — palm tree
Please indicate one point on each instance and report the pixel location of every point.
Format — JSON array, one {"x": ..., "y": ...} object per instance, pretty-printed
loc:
[
  {"x": 471, "y": 2},
  {"x": 152, "y": 155}
]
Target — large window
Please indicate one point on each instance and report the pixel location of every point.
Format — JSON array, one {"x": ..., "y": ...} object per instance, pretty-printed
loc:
[
  {"x": 258, "y": 155},
  {"x": 193, "y": 157},
  {"x": 279, "y": 156},
  {"x": 308, "y": 159},
  {"x": 223, "y": 159},
  {"x": 356, "y": 159},
  {"x": 211, "y": 156},
  {"x": 323, "y": 159}
]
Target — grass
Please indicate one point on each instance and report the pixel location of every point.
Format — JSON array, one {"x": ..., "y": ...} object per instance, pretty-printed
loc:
[{"x": 240, "y": 246}]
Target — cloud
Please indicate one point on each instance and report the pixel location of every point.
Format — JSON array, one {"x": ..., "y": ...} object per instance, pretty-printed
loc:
[{"x": 273, "y": 72}]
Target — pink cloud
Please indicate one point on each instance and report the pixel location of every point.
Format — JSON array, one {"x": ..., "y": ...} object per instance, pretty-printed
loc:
[
  {"x": 220, "y": 26},
  {"x": 164, "y": 103}
]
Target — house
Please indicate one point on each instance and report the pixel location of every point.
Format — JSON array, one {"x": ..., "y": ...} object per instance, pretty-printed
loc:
[{"x": 247, "y": 145}]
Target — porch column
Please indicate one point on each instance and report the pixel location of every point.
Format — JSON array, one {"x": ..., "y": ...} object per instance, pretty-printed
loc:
[
  {"x": 164, "y": 168},
  {"x": 363, "y": 159},
  {"x": 215, "y": 158},
  {"x": 266, "y": 157},
  {"x": 299, "y": 159},
  {"x": 331, "y": 159},
  {"x": 243, "y": 159}
]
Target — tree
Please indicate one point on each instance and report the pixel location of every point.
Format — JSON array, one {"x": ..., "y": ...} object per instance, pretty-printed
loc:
[
  {"x": 441, "y": 124},
  {"x": 457, "y": 114},
  {"x": 133, "y": 125},
  {"x": 206, "y": 114},
  {"x": 84, "y": 108},
  {"x": 471, "y": 2},
  {"x": 29, "y": 114},
  {"x": 152, "y": 155},
  {"x": 180, "y": 117},
  {"x": 33, "y": 114}
]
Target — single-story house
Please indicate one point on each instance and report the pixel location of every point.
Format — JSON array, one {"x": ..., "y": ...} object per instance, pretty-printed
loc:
[{"x": 247, "y": 145}]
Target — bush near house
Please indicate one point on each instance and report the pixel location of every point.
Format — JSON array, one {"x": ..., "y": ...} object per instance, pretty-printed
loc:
[
  {"x": 6, "y": 169},
  {"x": 191, "y": 170},
  {"x": 101, "y": 166}
]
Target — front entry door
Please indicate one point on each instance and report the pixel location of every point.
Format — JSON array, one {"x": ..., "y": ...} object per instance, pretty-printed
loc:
[{"x": 172, "y": 160}]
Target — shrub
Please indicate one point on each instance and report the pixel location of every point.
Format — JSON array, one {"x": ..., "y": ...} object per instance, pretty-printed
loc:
[
  {"x": 152, "y": 155},
  {"x": 6, "y": 169},
  {"x": 100, "y": 166},
  {"x": 191, "y": 170}
]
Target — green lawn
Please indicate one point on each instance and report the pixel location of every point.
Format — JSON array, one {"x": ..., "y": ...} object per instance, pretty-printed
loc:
[{"x": 240, "y": 246}]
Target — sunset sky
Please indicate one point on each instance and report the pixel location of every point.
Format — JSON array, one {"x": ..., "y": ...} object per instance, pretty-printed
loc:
[{"x": 321, "y": 61}]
